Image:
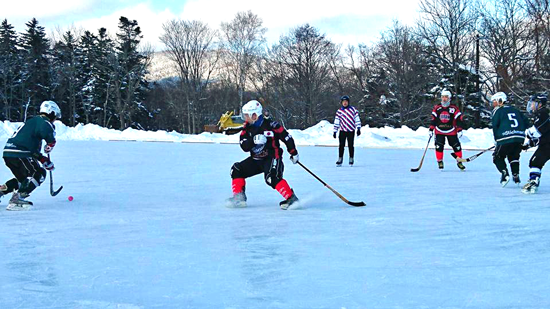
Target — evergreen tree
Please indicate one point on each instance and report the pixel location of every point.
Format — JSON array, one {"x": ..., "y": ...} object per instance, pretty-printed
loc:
[
  {"x": 106, "y": 64},
  {"x": 67, "y": 80},
  {"x": 10, "y": 68},
  {"x": 36, "y": 86},
  {"x": 131, "y": 69}
]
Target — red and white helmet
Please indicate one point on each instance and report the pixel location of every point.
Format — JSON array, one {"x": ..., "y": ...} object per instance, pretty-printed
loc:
[{"x": 252, "y": 107}]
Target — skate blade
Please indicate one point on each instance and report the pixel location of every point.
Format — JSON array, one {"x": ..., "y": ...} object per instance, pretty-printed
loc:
[
  {"x": 294, "y": 206},
  {"x": 235, "y": 205},
  {"x": 528, "y": 191},
  {"x": 504, "y": 183},
  {"x": 16, "y": 207}
]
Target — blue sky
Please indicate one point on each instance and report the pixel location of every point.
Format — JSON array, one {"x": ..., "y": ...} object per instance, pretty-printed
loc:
[{"x": 343, "y": 21}]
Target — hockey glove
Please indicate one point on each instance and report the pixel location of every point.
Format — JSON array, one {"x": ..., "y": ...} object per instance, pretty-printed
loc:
[
  {"x": 295, "y": 158},
  {"x": 431, "y": 132},
  {"x": 358, "y": 132},
  {"x": 47, "y": 163},
  {"x": 49, "y": 166},
  {"x": 260, "y": 139},
  {"x": 334, "y": 134},
  {"x": 49, "y": 147}
]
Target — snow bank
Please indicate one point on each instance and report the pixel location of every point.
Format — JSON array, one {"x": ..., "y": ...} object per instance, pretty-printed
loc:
[{"x": 318, "y": 135}]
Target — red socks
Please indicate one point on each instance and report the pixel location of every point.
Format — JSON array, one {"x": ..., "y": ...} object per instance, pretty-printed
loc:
[
  {"x": 283, "y": 188},
  {"x": 237, "y": 185},
  {"x": 458, "y": 154},
  {"x": 439, "y": 155}
]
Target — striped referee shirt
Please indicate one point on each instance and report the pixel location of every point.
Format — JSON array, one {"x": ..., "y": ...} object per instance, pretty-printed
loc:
[{"x": 347, "y": 119}]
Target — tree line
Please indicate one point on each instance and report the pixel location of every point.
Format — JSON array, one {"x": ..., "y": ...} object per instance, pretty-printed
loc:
[{"x": 473, "y": 48}]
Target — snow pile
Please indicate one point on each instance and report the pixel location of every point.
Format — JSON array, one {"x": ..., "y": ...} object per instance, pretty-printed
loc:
[{"x": 317, "y": 135}]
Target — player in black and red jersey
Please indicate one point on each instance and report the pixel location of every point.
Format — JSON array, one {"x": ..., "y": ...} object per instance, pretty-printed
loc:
[
  {"x": 260, "y": 136},
  {"x": 447, "y": 124}
]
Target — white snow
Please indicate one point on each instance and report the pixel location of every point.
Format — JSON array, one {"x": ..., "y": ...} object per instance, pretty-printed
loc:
[
  {"x": 148, "y": 229},
  {"x": 318, "y": 135}
]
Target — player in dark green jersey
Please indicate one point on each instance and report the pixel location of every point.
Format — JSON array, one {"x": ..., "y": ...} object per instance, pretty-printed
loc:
[
  {"x": 509, "y": 126},
  {"x": 22, "y": 155}
]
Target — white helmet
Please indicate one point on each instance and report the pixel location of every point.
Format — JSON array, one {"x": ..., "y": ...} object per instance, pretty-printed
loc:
[
  {"x": 500, "y": 97},
  {"x": 51, "y": 109},
  {"x": 251, "y": 108},
  {"x": 446, "y": 93}
]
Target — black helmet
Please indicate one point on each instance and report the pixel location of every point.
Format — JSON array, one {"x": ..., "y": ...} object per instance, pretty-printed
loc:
[
  {"x": 344, "y": 98},
  {"x": 542, "y": 99}
]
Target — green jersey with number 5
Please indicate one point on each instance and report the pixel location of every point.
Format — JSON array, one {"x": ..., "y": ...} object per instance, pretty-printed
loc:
[{"x": 509, "y": 125}]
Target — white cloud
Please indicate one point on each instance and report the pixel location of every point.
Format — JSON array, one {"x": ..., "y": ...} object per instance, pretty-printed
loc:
[
  {"x": 343, "y": 21},
  {"x": 282, "y": 15},
  {"x": 42, "y": 9}
]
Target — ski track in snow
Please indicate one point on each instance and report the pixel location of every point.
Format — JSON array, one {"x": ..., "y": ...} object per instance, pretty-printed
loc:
[{"x": 148, "y": 229}]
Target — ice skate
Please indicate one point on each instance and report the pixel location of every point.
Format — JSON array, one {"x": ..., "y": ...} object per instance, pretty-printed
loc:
[
  {"x": 440, "y": 165},
  {"x": 461, "y": 166},
  {"x": 291, "y": 201},
  {"x": 236, "y": 201},
  {"x": 531, "y": 187},
  {"x": 339, "y": 162},
  {"x": 351, "y": 161},
  {"x": 504, "y": 179},
  {"x": 18, "y": 202},
  {"x": 516, "y": 179}
]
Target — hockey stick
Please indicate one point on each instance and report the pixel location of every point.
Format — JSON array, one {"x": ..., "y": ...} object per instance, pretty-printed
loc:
[
  {"x": 52, "y": 192},
  {"x": 422, "y": 160},
  {"x": 356, "y": 204},
  {"x": 472, "y": 158}
]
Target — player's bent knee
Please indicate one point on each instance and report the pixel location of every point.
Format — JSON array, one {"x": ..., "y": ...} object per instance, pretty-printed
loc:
[{"x": 236, "y": 171}]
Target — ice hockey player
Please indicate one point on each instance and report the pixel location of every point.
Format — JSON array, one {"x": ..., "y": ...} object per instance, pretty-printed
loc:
[
  {"x": 447, "y": 123},
  {"x": 509, "y": 126},
  {"x": 22, "y": 154},
  {"x": 260, "y": 137},
  {"x": 537, "y": 135},
  {"x": 347, "y": 121}
]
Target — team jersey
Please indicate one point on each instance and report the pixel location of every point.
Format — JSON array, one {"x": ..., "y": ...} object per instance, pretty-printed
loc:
[
  {"x": 509, "y": 125},
  {"x": 274, "y": 133},
  {"x": 27, "y": 140},
  {"x": 446, "y": 120},
  {"x": 542, "y": 125},
  {"x": 347, "y": 119}
]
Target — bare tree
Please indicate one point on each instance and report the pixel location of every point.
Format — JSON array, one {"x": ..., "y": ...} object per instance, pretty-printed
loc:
[
  {"x": 191, "y": 46},
  {"x": 361, "y": 64},
  {"x": 506, "y": 42},
  {"x": 305, "y": 55},
  {"x": 446, "y": 28},
  {"x": 242, "y": 39},
  {"x": 539, "y": 18}
]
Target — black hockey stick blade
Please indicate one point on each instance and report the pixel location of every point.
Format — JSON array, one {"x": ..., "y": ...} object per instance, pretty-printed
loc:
[
  {"x": 54, "y": 193},
  {"x": 357, "y": 204},
  {"x": 423, "y": 156}
]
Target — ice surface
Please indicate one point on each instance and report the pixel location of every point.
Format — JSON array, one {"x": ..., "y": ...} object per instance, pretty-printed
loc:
[{"x": 148, "y": 229}]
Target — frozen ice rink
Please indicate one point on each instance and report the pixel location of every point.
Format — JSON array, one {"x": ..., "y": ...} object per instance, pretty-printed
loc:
[{"x": 148, "y": 229}]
